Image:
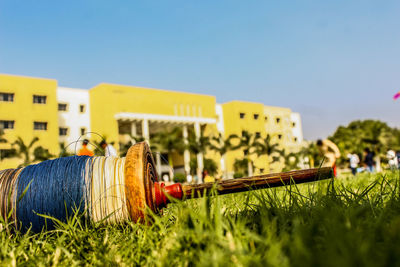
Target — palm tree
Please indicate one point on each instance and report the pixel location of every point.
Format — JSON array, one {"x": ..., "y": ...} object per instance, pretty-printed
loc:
[
  {"x": 40, "y": 154},
  {"x": 291, "y": 160},
  {"x": 221, "y": 145},
  {"x": 247, "y": 142},
  {"x": 2, "y": 139},
  {"x": 269, "y": 149},
  {"x": 171, "y": 142},
  {"x": 25, "y": 150},
  {"x": 123, "y": 148},
  {"x": 63, "y": 151},
  {"x": 312, "y": 153}
]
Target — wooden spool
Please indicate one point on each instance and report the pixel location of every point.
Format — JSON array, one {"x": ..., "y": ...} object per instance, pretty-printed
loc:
[{"x": 140, "y": 176}]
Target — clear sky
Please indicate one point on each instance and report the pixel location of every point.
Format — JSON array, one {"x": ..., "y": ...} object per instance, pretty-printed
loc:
[{"x": 332, "y": 61}]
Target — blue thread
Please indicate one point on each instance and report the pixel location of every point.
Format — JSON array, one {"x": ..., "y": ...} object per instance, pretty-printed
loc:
[{"x": 58, "y": 188}]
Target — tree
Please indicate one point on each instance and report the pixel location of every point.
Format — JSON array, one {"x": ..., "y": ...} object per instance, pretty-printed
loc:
[
  {"x": 311, "y": 152},
  {"x": 358, "y": 135},
  {"x": 40, "y": 154},
  {"x": 209, "y": 165},
  {"x": 248, "y": 143},
  {"x": 221, "y": 145},
  {"x": 123, "y": 148},
  {"x": 63, "y": 151},
  {"x": 264, "y": 146},
  {"x": 24, "y": 150},
  {"x": 291, "y": 160},
  {"x": 170, "y": 142},
  {"x": 2, "y": 140},
  {"x": 241, "y": 167},
  {"x": 198, "y": 145}
]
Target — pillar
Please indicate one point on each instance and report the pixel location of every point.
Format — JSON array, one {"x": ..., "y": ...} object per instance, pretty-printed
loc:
[
  {"x": 200, "y": 164},
  {"x": 145, "y": 130},
  {"x": 133, "y": 131},
  {"x": 186, "y": 153},
  {"x": 158, "y": 163}
]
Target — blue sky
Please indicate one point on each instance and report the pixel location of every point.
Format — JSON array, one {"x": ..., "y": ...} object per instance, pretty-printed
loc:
[{"x": 332, "y": 61}]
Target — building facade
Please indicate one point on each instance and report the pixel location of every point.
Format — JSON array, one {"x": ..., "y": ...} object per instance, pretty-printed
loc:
[
  {"x": 73, "y": 117},
  {"x": 124, "y": 114},
  {"x": 28, "y": 110}
]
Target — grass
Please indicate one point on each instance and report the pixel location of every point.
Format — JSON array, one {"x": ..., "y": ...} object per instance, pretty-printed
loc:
[{"x": 345, "y": 222}]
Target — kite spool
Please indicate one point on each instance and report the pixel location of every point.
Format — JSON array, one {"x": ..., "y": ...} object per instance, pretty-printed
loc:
[
  {"x": 106, "y": 189},
  {"x": 110, "y": 189}
]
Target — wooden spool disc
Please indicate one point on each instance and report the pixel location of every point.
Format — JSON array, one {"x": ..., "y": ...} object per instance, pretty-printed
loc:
[{"x": 140, "y": 175}]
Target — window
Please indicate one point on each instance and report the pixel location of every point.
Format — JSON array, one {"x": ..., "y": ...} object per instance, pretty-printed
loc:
[
  {"x": 295, "y": 139},
  {"x": 39, "y": 99},
  {"x": 6, "y": 124},
  {"x": 261, "y": 170},
  {"x": 62, "y": 131},
  {"x": 42, "y": 126},
  {"x": 255, "y": 116},
  {"x": 7, "y": 97},
  {"x": 266, "y": 118},
  {"x": 279, "y": 136},
  {"x": 278, "y": 120},
  {"x": 81, "y": 108},
  {"x": 83, "y": 131},
  {"x": 243, "y": 133},
  {"x": 258, "y": 134},
  {"x": 62, "y": 107},
  {"x": 241, "y": 115},
  {"x": 293, "y": 124}
]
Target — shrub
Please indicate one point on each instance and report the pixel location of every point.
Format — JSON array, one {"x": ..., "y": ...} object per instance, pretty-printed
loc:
[{"x": 179, "y": 178}]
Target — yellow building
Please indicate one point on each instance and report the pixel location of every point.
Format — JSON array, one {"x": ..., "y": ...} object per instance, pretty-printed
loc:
[
  {"x": 259, "y": 121},
  {"x": 35, "y": 107},
  {"x": 118, "y": 112},
  {"x": 28, "y": 109}
]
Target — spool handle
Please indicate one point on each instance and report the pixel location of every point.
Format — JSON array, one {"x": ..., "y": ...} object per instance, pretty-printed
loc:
[{"x": 163, "y": 194}]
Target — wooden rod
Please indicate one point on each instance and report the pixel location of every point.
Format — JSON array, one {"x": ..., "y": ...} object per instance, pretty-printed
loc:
[{"x": 258, "y": 182}]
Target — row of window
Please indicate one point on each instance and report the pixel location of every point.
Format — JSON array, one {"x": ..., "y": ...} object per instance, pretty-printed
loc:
[
  {"x": 258, "y": 135},
  {"x": 9, "y": 97},
  {"x": 242, "y": 115},
  {"x": 37, "y": 125},
  {"x": 63, "y": 131},
  {"x": 38, "y": 99},
  {"x": 64, "y": 107}
]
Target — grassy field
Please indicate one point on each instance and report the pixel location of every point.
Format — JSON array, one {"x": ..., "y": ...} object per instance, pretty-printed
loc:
[{"x": 345, "y": 222}]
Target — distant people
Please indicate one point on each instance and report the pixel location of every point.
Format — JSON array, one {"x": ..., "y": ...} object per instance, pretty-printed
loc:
[
  {"x": 109, "y": 150},
  {"x": 85, "y": 151},
  {"x": 398, "y": 158},
  {"x": 354, "y": 161},
  {"x": 369, "y": 160},
  {"x": 330, "y": 152},
  {"x": 392, "y": 159}
]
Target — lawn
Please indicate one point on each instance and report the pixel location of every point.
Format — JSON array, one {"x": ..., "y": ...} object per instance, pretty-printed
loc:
[{"x": 343, "y": 222}]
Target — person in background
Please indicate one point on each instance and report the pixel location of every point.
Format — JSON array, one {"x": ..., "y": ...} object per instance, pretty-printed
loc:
[
  {"x": 109, "y": 150},
  {"x": 84, "y": 151},
  {"x": 398, "y": 158},
  {"x": 354, "y": 160},
  {"x": 369, "y": 160},
  {"x": 392, "y": 159},
  {"x": 330, "y": 152}
]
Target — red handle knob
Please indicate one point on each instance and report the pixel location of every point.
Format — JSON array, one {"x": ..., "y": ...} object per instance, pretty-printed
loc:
[{"x": 164, "y": 193}]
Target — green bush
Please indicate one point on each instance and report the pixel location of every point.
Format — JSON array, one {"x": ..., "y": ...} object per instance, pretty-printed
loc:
[
  {"x": 237, "y": 175},
  {"x": 179, "y": 178}
]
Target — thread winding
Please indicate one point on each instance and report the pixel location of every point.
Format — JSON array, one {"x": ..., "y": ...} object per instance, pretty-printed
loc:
[{"x": 94, "y": 186}]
